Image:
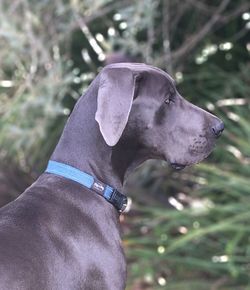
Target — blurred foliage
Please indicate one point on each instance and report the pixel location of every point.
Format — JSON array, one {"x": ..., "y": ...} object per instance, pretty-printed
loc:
[{"x": 188, "y": 229}]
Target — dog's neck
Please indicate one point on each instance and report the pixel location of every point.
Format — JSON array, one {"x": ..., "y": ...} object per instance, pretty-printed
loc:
[{"x": 83, "y": 147}]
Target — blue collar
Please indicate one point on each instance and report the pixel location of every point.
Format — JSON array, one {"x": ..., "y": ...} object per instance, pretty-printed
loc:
[{"x": 112, "y": 195}]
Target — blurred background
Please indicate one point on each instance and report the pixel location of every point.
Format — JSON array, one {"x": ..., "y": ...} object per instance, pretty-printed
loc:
[{"x": 186, "y": 230}]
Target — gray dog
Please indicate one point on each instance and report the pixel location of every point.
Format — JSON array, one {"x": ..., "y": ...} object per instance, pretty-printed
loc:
[{"x": 62, "y": 233}]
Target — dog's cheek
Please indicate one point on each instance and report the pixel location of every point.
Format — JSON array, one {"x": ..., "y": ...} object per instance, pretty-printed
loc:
[{"x": 160, "y": 115}]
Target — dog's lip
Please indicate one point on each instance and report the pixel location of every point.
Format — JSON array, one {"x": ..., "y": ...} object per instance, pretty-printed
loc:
[{"x": 178, "y": 166}]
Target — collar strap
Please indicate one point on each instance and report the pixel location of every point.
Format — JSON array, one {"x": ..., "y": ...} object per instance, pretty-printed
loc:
[{"x": 112, "y": 195}]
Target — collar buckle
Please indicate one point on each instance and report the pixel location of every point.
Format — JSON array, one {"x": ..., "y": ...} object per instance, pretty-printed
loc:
[{"x": 119, "y": 200}]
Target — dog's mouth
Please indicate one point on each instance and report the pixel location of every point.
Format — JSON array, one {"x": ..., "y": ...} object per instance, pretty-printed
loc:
[{"x": 178, "y": 166}]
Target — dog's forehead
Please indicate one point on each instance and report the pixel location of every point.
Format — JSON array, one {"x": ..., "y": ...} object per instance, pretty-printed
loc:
[{"x": 142, "y": 67}]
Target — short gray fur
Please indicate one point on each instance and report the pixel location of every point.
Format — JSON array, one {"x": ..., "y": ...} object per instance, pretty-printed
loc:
[{"x": 59, "y": 235}]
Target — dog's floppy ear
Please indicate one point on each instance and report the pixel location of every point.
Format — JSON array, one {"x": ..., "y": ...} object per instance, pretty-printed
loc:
[{"x": 114, "y": 102}]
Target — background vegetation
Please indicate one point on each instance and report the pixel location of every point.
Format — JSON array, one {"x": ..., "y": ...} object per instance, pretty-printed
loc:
[{"x": 186, "y": 230}]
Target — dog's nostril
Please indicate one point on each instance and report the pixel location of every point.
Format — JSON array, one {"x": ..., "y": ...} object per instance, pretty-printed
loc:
[{"x": 218, "y": 129}]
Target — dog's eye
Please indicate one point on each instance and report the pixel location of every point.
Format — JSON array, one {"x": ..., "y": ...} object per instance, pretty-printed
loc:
[{"x": 169, "y": 100}]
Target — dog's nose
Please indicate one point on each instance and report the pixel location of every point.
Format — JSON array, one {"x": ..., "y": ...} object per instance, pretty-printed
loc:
[{"x": 218, "y": 129}]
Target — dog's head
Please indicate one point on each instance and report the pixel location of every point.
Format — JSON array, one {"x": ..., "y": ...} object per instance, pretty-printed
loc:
[{"x": 140, "y": 102}]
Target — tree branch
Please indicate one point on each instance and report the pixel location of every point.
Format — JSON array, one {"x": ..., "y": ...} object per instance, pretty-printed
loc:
[
  {"x": 166, "y": 37},
  {"x": 177, "y": 16},
  {"x": 226, "y": 18},
  {"x": 196, "y": 37},
  {"x": 201, "y": 6}
]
